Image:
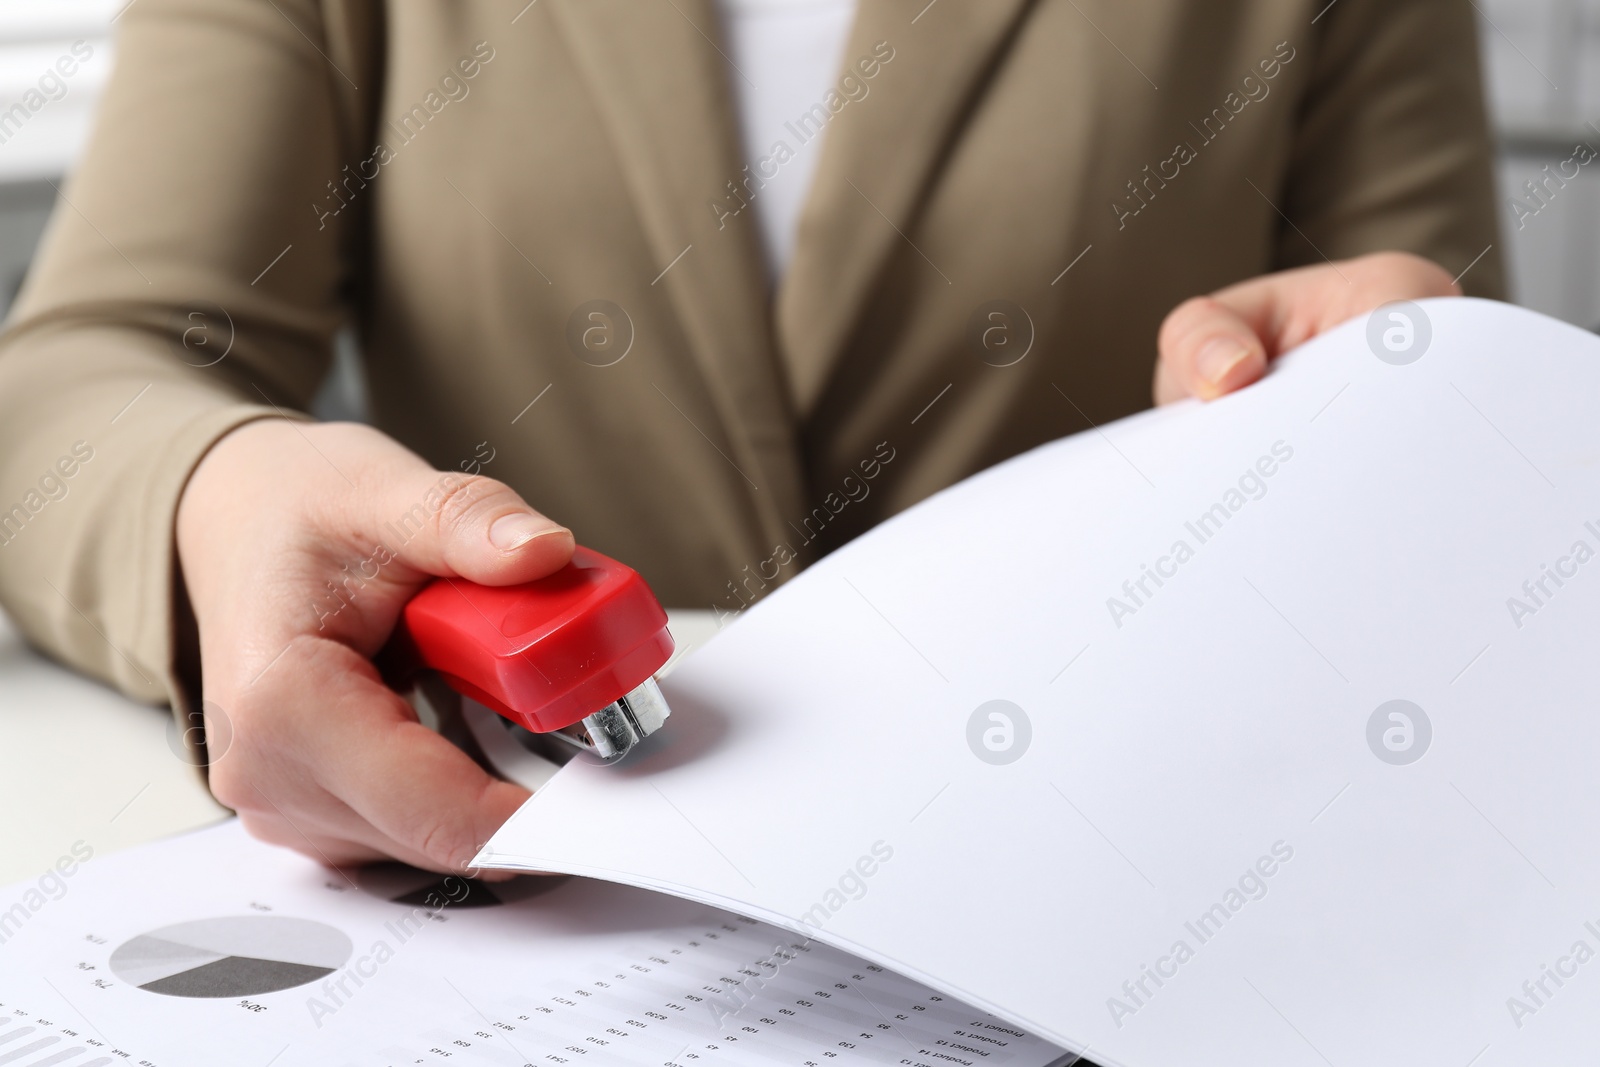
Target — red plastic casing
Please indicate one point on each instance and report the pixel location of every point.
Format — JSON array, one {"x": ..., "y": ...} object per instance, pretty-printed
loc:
[{"x": 548, "y": 653}]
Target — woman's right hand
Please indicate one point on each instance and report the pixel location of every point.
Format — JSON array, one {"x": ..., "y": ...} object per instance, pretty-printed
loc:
[{"x": 299, "y": 544}]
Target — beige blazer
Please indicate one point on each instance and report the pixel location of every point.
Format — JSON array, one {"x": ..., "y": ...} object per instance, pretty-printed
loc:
[{"x": 539, "y": 221}]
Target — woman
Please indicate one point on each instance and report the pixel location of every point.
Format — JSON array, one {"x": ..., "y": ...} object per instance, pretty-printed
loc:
[{"x": 679, "y": 274}]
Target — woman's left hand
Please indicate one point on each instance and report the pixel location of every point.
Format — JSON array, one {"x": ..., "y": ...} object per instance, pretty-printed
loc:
[{"x": 1211, "y": 345}]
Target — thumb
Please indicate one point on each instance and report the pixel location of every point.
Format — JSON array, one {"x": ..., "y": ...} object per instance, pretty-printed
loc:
[
  {"x": 468, "y": 526},
  {"x": 1206, "y": 349}
]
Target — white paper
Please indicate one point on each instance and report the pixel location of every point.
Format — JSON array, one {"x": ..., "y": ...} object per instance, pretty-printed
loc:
[
  {"x": 213, "y": 949},
  {"x": 1182, "y": 751}
]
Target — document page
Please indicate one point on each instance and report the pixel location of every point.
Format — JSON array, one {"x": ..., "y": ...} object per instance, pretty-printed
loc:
[
  {"x": 1258, "y": 731},
  {"x": 213, "y": 949}
]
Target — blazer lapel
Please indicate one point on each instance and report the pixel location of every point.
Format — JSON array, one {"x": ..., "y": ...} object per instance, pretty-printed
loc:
[
  {"x": 660, "y": 77},
  {"x": 878, "y": 157}
]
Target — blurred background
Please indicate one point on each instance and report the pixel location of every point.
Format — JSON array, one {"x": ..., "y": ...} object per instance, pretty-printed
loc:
[{"x": 1542, "y": 59}]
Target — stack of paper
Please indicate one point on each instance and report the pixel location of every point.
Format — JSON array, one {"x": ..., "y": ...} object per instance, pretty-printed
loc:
[{"x": 1262, "y": 731}]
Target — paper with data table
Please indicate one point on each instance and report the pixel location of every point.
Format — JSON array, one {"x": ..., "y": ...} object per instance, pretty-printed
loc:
[
  {"x": 1260, "y": 731},
  {"x": 213, "y": 949}
]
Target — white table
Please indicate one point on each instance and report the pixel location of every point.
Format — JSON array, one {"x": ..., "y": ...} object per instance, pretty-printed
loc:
[{"x": 78, "y": 762}]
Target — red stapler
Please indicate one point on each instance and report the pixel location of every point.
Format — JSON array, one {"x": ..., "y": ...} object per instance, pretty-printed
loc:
[{"x": 571, "y": 656}]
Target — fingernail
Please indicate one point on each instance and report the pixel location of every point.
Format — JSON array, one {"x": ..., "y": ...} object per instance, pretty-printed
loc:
[
  {"x": 1218, "y": 357},
  {"x": 517, "y": 529}
]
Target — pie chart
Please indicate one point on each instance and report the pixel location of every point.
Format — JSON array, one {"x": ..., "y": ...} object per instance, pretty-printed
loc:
[{"x": 233, "y": 956}]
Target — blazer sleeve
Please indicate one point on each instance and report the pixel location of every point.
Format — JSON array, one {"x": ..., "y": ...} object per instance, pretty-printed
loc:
[
  {"x": 187, "y": 283},
  {"x": 1392, "y": 148}
]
